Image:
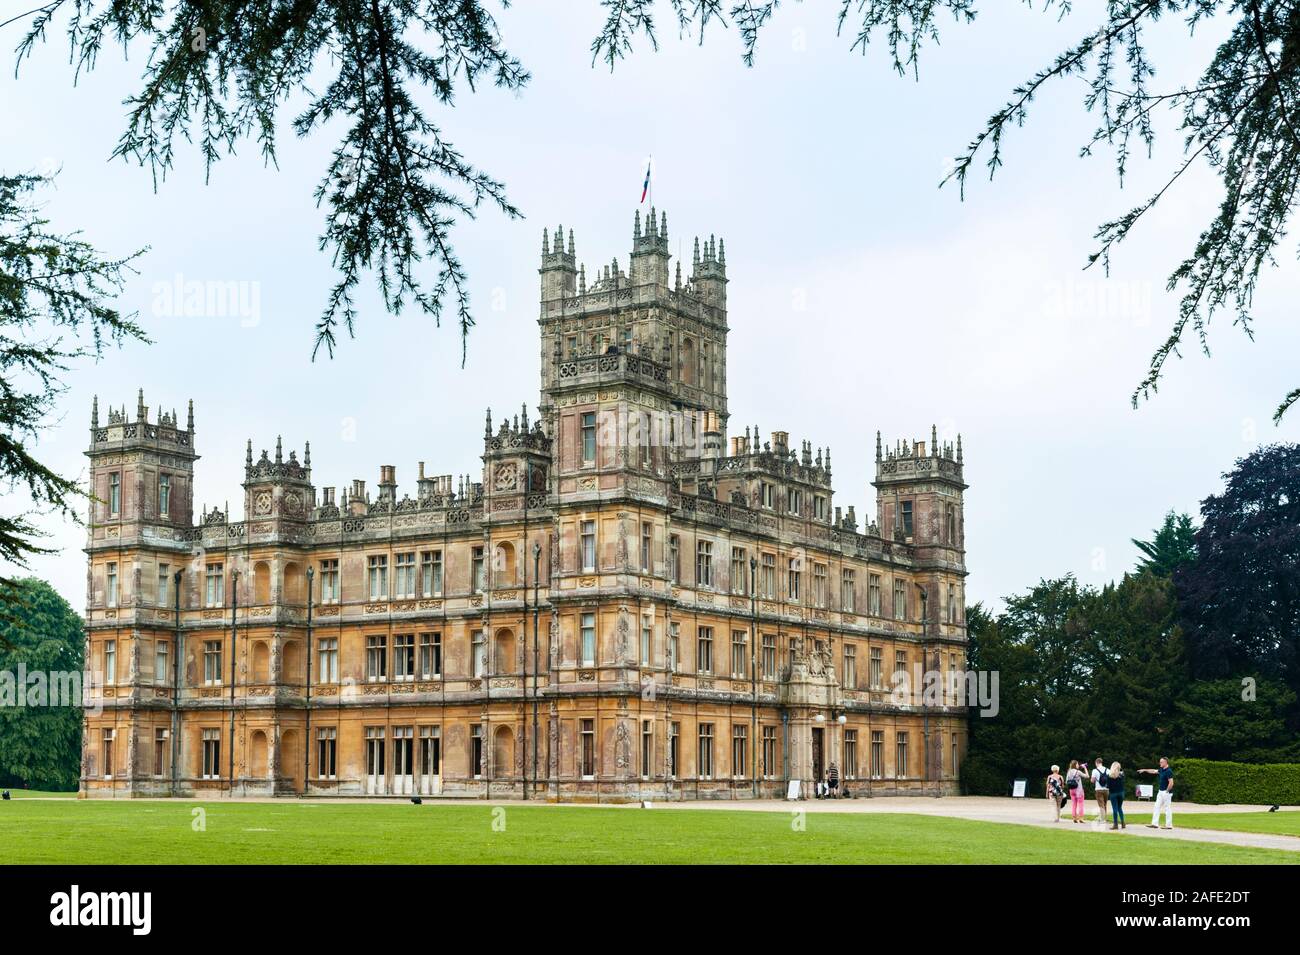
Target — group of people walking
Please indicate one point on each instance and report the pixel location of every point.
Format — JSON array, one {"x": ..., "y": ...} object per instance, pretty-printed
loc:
[{"x": 1108, "y": 788}]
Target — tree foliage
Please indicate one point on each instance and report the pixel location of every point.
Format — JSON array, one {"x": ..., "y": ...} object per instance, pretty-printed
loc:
[
  {"x": 40, "y": 747},
  {"x": 1241, "y": 598},
  {"x": 217, "y": 74},
  {"x": 55, "y": 308},
  {"x": 1172, "y": 546}
]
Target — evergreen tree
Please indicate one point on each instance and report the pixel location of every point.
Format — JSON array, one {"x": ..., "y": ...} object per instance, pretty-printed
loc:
[
  {"x": 1172, "y": 546},
  {"x": 40, "y": 746}
]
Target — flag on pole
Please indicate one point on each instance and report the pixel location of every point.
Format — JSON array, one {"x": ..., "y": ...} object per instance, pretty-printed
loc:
[{"x": 646, "y": 188}]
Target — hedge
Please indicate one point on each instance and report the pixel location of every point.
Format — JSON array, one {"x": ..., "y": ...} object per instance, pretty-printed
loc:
[{"x": 1216, "y": 783}]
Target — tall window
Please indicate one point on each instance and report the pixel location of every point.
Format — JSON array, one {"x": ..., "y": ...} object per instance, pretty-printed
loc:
[
  {"x": 160, "y": 750},
  {"x": 769, "y": 656},
  {"x": 900, "y": 599},
  {"x": 478, "y": 652},
  {"x": 375, "y": 762},
  {"x": 478, "y": 570},
  {"x": 211, "y": 662},
  {"x": 767, "y": 582},
  {"x": 704, "y": 564},
  {"x": 589, "y": 438},
  {"x": 793, "y": 579},
  {"x": 164, "y": 496},
  {"x": 674, "y": 648},
  {"x": 430, "y": 751},
  {"x": 819, "y": 507},
  {"x": 587, "y": 538},
  {"x": 329, "y": 581},
  {"x": 952, "y": 603},
  {"x": 877, "y": 667},
  {"x": 950, "y": 524},
  {"x": 873, "y": 595},
  {"x": 705, "y": 762},
  {"x": 588, "y": 648},
  {"x": 848, "y": 585},
  {"x": 378, "y": 570},
  {"x": 431, "y": 573},
  {"x": 765, "y": 492},
  {"x": 674, "y": 749},
  {"x": 850, "y": 754},
  {"x": 738, "y": 666},
  {"x": 704, "y": 650},
  {"x": 110, "y": 662},
  {"x": 403, "y": 750},
  {"x": 327, "y": 753},
  {"x": 404, "y": 657},
  {"x": 674, "y": 559},
  {"x": 738, "y": 571},
  {"x": 110, "y": 589},
  {"x": 106, "y": 744},
  {"x": 647, "y": 547},
  {"x": 115, "y": 494},
  {"x": 877, "y": 754},
  {"x": 405, "y": 567},
  {"x": 739, "y": 744},
  {"x": 161, "y": 655},
  {"x": 647, "y": 634},
  {"x": 327, "y": 653},
  {"x": 900, "y": 665},
  {"x": 821, "y": 590},
  {"x": 377, "y": 658},
  {"x": 163, "y": 574},
  {"x": 905, "y": 518},
  {"x": 430, "y": 655},
  {"x": 850, "y": 667},
  {"x": 769, "y": 752},
  {"x": 900, "y": 756},
  {"x": 212, "y": 754},
  {"x": 647, "y": 749},
  {"x": 476, "y": 750},
  {"x": 793, "y": 500},
  {"x": 588, "y": 767}
]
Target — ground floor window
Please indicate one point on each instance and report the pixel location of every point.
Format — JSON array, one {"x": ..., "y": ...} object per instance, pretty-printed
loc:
[
  {"x": 588, "y": 751},
  {"x": 739, "y": 743},
  {"x": 674, "y": 736},
  {"x": 476, "y": 751},
  {"x": 850, "y": 754},
  {"x": 375, "y": 761},
  {"x": 107, "y": 753},
  {"x": 877, "y": 754},
  {"x": 769, "y": 752},
  {"x": 403, "y": 750},
  {"x": 430, "y": 751},
  {"x": 704, "y": 765},
  {"x": 160, "y": 752},
  {"x": 647, "y": 749},
  {"x": 327, "y": 753},
  {"x": 212, "y": 754},
  {"x": 900, "y": 756}
]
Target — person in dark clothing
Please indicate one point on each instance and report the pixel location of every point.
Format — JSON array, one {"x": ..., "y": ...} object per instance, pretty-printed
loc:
[
  {"x": 833, "y": 781},
  {"x": 1115, "y": 779}
]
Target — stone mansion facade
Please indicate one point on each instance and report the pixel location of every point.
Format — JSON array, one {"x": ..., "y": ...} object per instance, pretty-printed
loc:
[{"x": 624, "y": 604}]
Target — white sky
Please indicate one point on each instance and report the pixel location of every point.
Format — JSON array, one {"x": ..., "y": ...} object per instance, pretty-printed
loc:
[{"x": 861, "y": 296}]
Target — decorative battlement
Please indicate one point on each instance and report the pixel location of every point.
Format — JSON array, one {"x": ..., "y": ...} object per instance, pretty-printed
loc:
[
  {"x": 278, "y": 470},
  {"x": 121, "y": 427},
  {"x": 910, "y": 460},
  {"x": 516, "y": 434}
]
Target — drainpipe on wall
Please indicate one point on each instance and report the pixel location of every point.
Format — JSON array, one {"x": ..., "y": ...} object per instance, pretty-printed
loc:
[
  {"x": 176, "y": 687},
  {"x": 234, "y": 609},
  {"x": 306, "y": 733}
]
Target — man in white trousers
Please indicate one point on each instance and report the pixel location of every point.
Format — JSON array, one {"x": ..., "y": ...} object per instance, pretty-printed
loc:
[{"x": 1164, "y": 794}]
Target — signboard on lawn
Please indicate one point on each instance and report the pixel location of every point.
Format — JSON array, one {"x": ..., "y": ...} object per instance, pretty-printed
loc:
[
  {"x": 793, "y": 791},
  {"x": 1018, "y": 788}
]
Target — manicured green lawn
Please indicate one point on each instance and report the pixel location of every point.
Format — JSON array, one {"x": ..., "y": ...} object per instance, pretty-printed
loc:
[
  {"x": 162, "y": 832},
  {"x": 1282, "y": 823}
]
